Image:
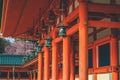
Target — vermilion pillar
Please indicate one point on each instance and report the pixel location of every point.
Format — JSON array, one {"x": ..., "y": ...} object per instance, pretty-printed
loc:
[
  {"x": 94, "y": 61},
  {"x": 34, "y": 75},
  {"x": 8, "y": 75},
  {"x": 54, "y": 61},
  {"x": 30, "y": 76},
  {"x": 46, "y": 63},
  {"x": 83, "y": 42},
  {"x": 18, "y": 76},
  {"x": 66, "y": 70},
  {"x": 40, "y": 66},
  {"x": 72, "y": 63},
  {"x": 114, "y": 58}
]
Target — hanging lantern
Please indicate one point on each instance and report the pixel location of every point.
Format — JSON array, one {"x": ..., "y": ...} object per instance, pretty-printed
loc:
[
  {"x": 48, "y": 42},
  {"x": 43, "y": 25},
  {"x": 39, "y": 49},
  {"x": 52, "y": 17},
  {"x": 62, "y": 31},
  {"x": 63, "y": 5}
]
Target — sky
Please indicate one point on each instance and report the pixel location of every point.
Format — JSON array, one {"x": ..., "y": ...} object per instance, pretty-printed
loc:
[{"x": 12, "y": 40}]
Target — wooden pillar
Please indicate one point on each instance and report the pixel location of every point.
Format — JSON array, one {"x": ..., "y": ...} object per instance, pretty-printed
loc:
[
  {"x": 94, "y": 61},
  {"x": 72, "y": 63},
  {"x": 8, "y": 75},
  {"x": 114, "y": 58},
  {"x": 46, "y": 63},
  {"x": 40, "y": 66},
  {"x": 34, "y": 75},
  {"x": 18, "y": 76},
  {"x": 83, "y": 42},
  {"x": 30, "y": 76},
  {"x": 66, "y": 70},
  {"x": 54, "y": 61}
]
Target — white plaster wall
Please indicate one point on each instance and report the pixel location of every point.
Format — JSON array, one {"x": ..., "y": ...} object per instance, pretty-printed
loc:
[
  {"x": 118, "y": 2},
  {"x": 70, "y": 9},
  {"x": 101, "y": 1},
  {"x": 90, "y": 39},
  {"x": 90, "y": 77},
  {"x": 76, "y": 78},
  {"x": 119, "y": 50},
  {"x": 119, "y": 75},
  {"x": 76, "y": 3},
  {"x": 104, "y": 33},
  {"x": 90, "y": 30},
  {"x": 104, "y": 76},
  {"x": 58, "y": 20}
]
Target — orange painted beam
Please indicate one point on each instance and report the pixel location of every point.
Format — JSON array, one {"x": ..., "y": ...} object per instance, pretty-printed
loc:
[
  {"x": 54, "y": 61},
  {"x": 102, "y": 40},
  {"x": 103, "y": 69},
  {"x": 58, "y": 39},
  {"x": 4, "y": 13},
  {"x": 73, "y": 29},
  {"x": 10, "y": 66},
  {"x": 30, "y": 63},
  {"x": 104, "y": 8},
  {"x": 90, "y": 70},
  {"x": 83, "y": 42},
  {"x": 46, "y": 63},
  {"x": 40, "y": 66},
  {"x": 72, "y": 15},
  {"x": 66, "y": 64},
  {"x": 19, "y": 70},
  {"x": 103, "y": 24}
]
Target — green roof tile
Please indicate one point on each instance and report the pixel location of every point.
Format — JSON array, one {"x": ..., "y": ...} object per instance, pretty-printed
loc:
[{"x": 6, "y": 59}]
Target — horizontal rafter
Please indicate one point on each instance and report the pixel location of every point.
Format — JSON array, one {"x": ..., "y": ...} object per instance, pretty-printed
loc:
[
  {"x": 104, "y": 8},
  {"x": 103, "y": 24}
]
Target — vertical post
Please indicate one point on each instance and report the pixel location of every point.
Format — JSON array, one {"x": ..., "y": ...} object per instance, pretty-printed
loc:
[
  {"x": 46, "y": 63},
  {"x": 40, "y": 66},
  {"x": 66, "y": 70},
  {"x": 54, "y": 61},
  {"x": 30, "y": 77},
  {"x": 18, "y": 76},
  {"x": 114, "y": 58},
  {"x": 83, "y": 42},
  {"x": 34, "y": 75},
  {"x": 72, "y": 63},
  {"x": 8, "y": 75},
  {"x": 13, "y": 73},
  {"x": 94, "y": 61}
]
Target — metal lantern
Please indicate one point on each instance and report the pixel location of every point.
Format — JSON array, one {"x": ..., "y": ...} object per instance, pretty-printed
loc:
[
  {"x": 48, "y": 42},
  {"x": 63, "y": 5},
  {"x": 62, "y": 31},
  {"x": 52, "y": 17},
  {"x": 39, "y": 49}
]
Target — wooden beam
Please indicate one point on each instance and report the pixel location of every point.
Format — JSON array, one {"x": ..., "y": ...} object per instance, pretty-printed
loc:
[
  {"x": 23, "y": 70},
  {"x": 73, "y": 29},
  {"x": 103, "y": 24},
  {"x": 30, "y": 63},
  {"x": 104, "y": 8},
  {"x": 72, "y": 15}
]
